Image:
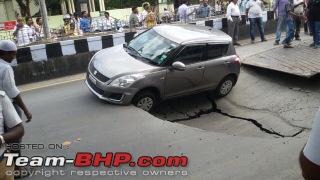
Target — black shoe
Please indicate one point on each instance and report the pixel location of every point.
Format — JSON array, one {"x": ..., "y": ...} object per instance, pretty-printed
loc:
[
  {"x": 237, "y": 44},
  {"x": 298, "y": 39},
  {"x": 286, "y": 45},
  {"x": 264, "y": 40},
  {"x": 289, "y": 43}
]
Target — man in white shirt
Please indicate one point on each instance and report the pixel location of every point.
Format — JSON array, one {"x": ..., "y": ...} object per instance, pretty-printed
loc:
[
  {"x": 76, "y": 20},
  {"x": 22, "y": 33},
  {"x": 10, "y": 120},
  {"x": 30, "y": 23},
  {"x": 254, "y": 15},
  {"x": 39, "y": 29},
  {"x": 108, "y": 22},
  {"x": 182, "y": 11},
  {"x": 8, "y": 52},
  {"x": 144, "y": 14},
  {"x": 310, "y": 155},
  {"x": 234, "y": 18},
  {"x": 298, "y": 9}
]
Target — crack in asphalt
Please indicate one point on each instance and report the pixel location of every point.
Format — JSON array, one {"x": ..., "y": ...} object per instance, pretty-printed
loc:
[
  {"x": 215, "y": 109},
  {"x": 271, "y": 112}
]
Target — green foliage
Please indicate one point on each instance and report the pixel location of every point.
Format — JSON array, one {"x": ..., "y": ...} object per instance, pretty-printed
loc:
[{"x": 54, "y": 7}]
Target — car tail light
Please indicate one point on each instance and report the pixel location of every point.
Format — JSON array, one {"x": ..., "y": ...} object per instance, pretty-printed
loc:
[{"x": 237, "y": 60}]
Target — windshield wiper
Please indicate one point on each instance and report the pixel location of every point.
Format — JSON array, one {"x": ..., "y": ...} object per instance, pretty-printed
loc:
[
  {"x": 149, "y": 60},
  {"x": 132, "y": 49}
]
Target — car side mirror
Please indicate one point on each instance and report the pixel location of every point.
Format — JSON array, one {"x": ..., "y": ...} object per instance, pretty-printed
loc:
[{"x": 179, "y": 66}]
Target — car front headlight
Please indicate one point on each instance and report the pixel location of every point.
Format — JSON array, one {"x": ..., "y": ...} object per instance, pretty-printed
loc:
[{"x": 126, "y": 81}]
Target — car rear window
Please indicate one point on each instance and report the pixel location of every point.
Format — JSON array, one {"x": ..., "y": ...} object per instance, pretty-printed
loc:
[{"x": 217, "y": 50}]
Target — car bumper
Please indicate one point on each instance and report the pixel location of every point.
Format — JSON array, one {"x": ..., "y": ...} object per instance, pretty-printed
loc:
[{"x": 121, "y": 96}]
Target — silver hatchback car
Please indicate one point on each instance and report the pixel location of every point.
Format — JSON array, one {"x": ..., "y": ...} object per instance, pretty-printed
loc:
[{"x": 162, "y": 63}]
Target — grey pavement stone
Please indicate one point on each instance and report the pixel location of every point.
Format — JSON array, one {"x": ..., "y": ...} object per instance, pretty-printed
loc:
[{"x": 300, "y": 60}]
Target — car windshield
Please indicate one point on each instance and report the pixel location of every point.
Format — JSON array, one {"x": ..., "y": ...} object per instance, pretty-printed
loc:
[{"x": 152, "y": 46}]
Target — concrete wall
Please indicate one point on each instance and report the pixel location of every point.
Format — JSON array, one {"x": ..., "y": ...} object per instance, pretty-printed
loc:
[{"x": 46, "y": 61}]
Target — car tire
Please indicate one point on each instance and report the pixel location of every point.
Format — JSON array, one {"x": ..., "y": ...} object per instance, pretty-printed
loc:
[
  {"x": 145, "y": 100},
  {"x": 225, "y": 86}
]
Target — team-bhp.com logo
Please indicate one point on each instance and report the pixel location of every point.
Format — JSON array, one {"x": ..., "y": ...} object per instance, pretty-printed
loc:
[{"x": 86, "y": 159}]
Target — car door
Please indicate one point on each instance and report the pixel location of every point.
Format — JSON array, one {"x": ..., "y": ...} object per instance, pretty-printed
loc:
[
  {"x": 216, "y": 65},
  {"x": 187, "y": 81}
]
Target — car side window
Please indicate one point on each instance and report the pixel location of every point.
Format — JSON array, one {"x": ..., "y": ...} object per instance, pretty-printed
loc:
[
  {"x": 190, "y": 54},
  {"x": 217, "y": 50}
]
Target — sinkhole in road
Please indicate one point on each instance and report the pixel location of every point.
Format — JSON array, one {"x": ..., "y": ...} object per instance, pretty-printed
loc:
[{"x": 215, "y": 109}]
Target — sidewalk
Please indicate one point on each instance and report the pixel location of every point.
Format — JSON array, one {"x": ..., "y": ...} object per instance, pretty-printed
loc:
[{"x": 299, "y": 60}]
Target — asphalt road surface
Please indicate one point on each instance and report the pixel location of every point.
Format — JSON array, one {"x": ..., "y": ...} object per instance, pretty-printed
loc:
[
  {"x": 220, "y": 137},
  {"x": 218, "y": 147}
]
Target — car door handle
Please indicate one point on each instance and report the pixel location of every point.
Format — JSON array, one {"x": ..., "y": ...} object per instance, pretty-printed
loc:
[{"x": 200, "y": 68}]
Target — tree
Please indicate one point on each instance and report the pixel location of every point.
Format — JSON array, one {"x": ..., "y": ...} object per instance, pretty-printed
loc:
[{"x": 24, "y": 7}]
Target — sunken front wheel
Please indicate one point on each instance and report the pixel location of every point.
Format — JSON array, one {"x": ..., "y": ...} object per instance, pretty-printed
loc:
[
  {"x": 225, "y": 86},
  {"x": 145, "y": 100}
]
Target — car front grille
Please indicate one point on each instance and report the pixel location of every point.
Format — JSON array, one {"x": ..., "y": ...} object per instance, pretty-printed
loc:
[
  {"x": 94, "y": 87},
  {"x": 97, "y": 74}
]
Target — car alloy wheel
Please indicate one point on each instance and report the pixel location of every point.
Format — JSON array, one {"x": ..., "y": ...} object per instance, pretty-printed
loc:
[
  {"x": 225, "y": 86},
  {"x": 145, "y": 100},
  {"x": 145, "y": 104}
]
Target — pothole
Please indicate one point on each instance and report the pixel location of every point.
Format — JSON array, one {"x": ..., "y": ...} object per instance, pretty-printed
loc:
[{"x": 202, "y": 111}]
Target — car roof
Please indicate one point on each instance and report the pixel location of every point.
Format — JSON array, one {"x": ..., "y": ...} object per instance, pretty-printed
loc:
[{"x": 188, "y": 34}]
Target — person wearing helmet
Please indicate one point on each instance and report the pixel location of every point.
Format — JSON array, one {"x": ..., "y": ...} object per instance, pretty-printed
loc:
[{"x": 69, "y": 27}]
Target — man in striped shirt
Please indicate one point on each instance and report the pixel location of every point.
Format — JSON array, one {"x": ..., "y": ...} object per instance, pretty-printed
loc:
[{"x": 22, "y": 33}]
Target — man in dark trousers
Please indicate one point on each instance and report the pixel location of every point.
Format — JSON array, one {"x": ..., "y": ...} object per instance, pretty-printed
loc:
[
  {"x": 289, "y": 7},
  {"x": 234, "y": 20},
  {"x": 8, "y": 52}
]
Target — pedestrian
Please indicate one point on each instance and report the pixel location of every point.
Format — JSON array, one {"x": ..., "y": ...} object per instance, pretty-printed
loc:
[
  {"x": 217, "y": 8},
  {"x": 69, "y": 27},
  {"x": 30, "y": 23},
  {"x": 289, "y": 23},
  {"x": 279, "y": 10},
  {"x": 182, "y": 11},
  {"x": 85, "y": 24},
  {"x": 150, "y": 18},
  {"x": 134, "y": 17},
  {"x": 8, "y": 51},
  {"x": 234, "y": 19},
  {"x": 166, "y": 16},
  {"x": 203, "y": 9},
  {"x": 144, "y": 13},
  {"x": 314, "y": 22},
  {"x": 254, "y": 9},
  {"x": 39, "y": 29},
  {"x": 10, "y": 120},
  {"x": 22, "y": 33},
  {"x": 76, "y": 20},
  {"x": 299, "y": 6},
  {"x": 108, "y": 21},
  {"x": 310, "y": 155}
]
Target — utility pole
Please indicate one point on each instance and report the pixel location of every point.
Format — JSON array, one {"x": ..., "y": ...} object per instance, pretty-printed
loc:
[{"x": 45, "y": 25}]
